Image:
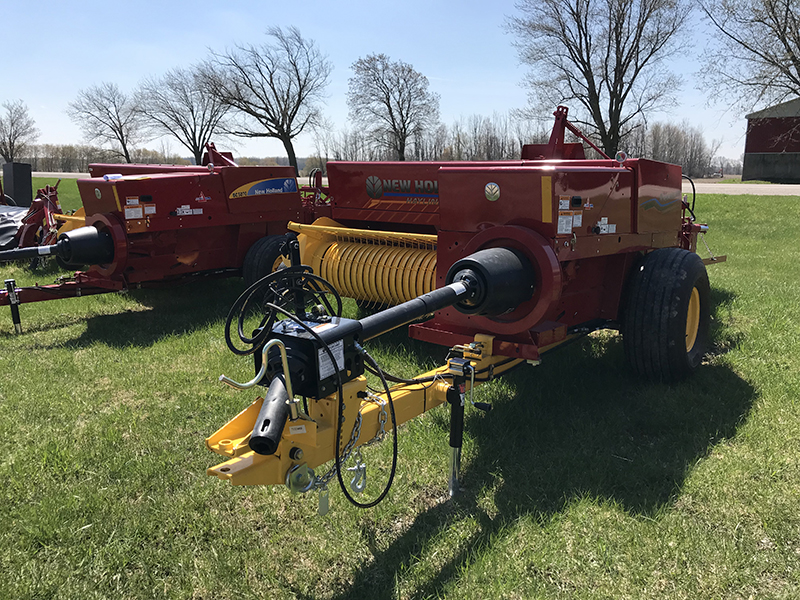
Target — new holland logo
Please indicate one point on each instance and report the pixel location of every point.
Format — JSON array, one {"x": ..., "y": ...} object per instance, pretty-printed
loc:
[
  {"x": 492, "y": 191},
  {"x": 410, "y": 191},
  {"x": 277, "y": 185},
  {"x": 374, "y": 187}
]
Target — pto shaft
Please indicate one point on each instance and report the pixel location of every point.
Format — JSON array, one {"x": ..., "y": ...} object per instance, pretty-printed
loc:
[{"x": 82, "y": 246}]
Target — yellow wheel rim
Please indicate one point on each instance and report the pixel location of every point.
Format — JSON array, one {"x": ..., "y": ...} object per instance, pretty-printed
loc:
[
  {"x": 692, "y": 319},
  {"x": 278, "y": 262}
]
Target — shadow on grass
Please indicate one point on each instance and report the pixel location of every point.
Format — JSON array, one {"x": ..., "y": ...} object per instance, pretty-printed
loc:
[
  {"x": 168, "y": 311},
  {"x": 578, "y": 426},
  {"x": 723, "y": 338}
]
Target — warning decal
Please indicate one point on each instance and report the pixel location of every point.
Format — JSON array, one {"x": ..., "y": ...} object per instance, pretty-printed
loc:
[
  {"x": 326, "y": 368},
  {"x": 134, "y": 212},
  {"x": 564, "y": 222}
]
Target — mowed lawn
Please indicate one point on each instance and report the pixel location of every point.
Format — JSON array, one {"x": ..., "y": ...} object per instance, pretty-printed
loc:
[{"x": 582, "y": 482}]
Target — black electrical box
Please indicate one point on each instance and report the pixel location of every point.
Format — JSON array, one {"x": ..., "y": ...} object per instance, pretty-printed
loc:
[
  {"x": 312, "y": 372},
  {"x": 17, "y": 183}
]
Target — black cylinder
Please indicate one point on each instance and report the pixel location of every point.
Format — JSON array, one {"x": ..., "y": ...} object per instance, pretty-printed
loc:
[
  {"x": 501, "y": 280},
  {"x": 456, "y": 416},
  {"x": 82, "y": 246},
  {"x": 271, "y": 418},
  {"x": 85, "y": 246},
  {"x": 391, "y": 318}
]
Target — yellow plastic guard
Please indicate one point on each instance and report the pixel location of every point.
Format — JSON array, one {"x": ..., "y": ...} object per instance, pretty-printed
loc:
[{"x": 70, "y": 222}]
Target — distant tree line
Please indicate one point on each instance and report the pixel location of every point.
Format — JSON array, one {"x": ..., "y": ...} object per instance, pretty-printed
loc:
[
  {"x": 76, "y": 158},
  {"x": 68, "y": 158},
  {"x": 499, "y": 137},
  {"x": 680, "y": 144}
]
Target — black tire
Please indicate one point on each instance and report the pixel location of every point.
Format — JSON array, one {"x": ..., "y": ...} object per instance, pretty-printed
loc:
[
  {"x": 262, "y": 258},
  {"x": 667, "y": 313}
]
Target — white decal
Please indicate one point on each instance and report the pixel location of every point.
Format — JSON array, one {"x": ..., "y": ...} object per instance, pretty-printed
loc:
[
  {"x": 326, "y": 368},
  {"x": 564, "y": 222},
  {"x": 134, "y": 213}
]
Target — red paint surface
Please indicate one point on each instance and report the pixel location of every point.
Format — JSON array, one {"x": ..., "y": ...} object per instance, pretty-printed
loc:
[{"x": 773, "y": 135}]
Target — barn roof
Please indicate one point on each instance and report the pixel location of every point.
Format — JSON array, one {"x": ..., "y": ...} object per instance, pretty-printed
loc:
[{"x": 779, "y": 111}]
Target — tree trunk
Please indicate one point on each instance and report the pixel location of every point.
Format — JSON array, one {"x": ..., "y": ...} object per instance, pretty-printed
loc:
[
  {"x": 401, "y": 148},
  {"x": 287, "y": 143}
]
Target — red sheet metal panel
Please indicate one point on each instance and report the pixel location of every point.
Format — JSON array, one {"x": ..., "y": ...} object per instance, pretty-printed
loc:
[{"x": 773, "y": 135}]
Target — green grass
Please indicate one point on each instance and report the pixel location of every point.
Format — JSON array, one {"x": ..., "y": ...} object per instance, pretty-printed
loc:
[
  {"x": 581, "y": 483},
  {"x": 738, "y": 179},
  {"x": 68, "y": 194}
]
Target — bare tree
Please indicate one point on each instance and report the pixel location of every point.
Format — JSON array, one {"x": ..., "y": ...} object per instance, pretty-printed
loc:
[
  {"x": 392, "y": 101},
  {"x": 676, "y": 143},
  {"x": 755, "y": 54},
  {"x": 274, "y": 89},
  {"x": 176, "y": 105},
  {"x": 108, "y": 116},
  {"x": 607, "y": 55},
  {"x": 17, "y": 130}
]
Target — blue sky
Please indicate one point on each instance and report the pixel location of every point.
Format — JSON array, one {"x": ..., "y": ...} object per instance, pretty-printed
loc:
[{"x": 59, "y": 48}]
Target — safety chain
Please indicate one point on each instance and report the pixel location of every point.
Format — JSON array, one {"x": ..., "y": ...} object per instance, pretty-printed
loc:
[
  {"x": 703, "y": 237},
  {"x": 322, "y": 482}
]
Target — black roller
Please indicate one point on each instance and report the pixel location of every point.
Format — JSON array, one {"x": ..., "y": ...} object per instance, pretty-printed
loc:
[
  {"x": 500, "y": 279},
  {"x": 82, "y": 246},
  {"x": 271, "y": 418},
  {"x": 85, "y": 246}
]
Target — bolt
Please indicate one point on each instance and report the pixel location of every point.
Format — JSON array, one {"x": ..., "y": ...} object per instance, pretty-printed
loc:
[{"x": 296, "y": 454}]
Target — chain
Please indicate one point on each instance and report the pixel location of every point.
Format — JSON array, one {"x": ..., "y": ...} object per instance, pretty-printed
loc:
[
  {"x": 323, "y": 481},
  {"x": 703, "y": 237},
  {"x": 382, "y": 418}
]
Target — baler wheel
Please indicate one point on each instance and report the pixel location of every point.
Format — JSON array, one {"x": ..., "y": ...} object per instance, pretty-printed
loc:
[
  {"x": 667, "y": 315},
  {"x": 262, "y": 258}
]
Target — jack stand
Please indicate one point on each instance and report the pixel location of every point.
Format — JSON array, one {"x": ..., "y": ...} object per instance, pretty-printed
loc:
[
  {"x": 455, "y": 397},
  {"x": 13, "y": 302}
]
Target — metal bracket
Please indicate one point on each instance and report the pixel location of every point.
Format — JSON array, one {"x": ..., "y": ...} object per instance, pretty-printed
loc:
[
  {"x": 300, "y": 479},
  {"x": 458, "y": 366},
  {"x": 13, "y": 302}
]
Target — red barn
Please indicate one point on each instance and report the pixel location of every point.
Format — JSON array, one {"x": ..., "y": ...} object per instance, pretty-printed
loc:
[{"x": 772, "y": 148}]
